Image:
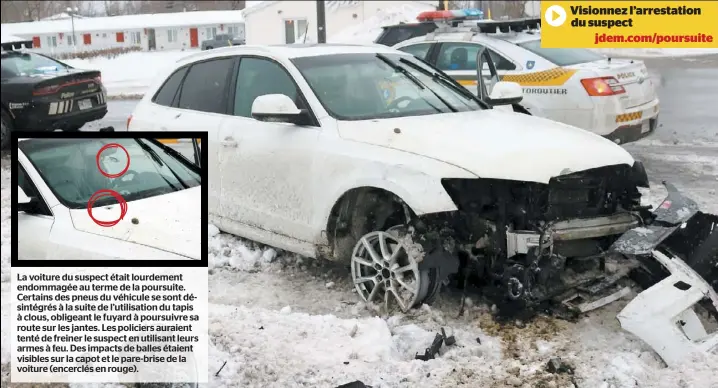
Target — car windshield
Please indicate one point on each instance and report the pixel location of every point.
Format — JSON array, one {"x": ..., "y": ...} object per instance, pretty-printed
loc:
[
  {"x": 16, "y": 64},
  {"x": 370, "y": 86},
  {"x": 70, "y": 168},
  {"x": 561, "y": 56}
]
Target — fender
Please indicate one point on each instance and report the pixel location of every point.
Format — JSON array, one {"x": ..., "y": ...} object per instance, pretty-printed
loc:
[{"x": 422, "y": 192}]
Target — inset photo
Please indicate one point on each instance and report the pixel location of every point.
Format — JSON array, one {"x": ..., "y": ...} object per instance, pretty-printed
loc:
[{"x": 83, "y": 196}]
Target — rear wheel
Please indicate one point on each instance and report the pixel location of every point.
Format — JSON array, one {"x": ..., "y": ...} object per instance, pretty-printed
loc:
[
  {"x": 73, "y": 128},
  {"x": 6, "y": 129},
  {"x": 209, "y": 48}
]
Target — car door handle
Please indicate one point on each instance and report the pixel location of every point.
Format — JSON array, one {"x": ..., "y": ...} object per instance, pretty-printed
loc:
[{"x": 229, "y": 142}]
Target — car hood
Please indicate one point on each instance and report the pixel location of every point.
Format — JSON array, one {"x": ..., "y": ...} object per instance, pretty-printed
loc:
[
  {"x": 170, "y": 222},
  {"x": 492, "y": 144}
]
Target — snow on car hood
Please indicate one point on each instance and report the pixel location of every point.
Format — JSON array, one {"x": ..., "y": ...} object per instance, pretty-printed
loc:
[
  {"x": 170, "y": 222},
  {"x": 493, "y": 144}
]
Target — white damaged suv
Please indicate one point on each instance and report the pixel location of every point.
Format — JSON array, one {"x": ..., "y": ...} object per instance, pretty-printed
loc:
[{"x": 369, "y": 156}]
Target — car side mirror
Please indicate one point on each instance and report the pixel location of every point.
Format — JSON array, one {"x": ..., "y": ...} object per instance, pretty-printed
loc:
[
  {"x": 278, "y": 108},
  {"x": 25, "y": 203},
  {"x": 505, "y": 93}
]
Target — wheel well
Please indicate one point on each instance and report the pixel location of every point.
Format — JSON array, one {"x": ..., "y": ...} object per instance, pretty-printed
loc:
[{"x": 359, "y": 211}]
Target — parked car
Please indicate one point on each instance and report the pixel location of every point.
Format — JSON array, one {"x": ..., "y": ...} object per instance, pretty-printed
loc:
[
  {"x": 42, "y": 93},
  {"x": 613, "y": 97},
  {"x": 58, "y": 177},
  {"x": 369, "y": 156},
  {"x": 221, "y": 40}
]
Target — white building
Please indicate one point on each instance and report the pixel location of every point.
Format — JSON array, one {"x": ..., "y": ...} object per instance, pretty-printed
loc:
[
  {"x": 280, "y": 22},
  {"x": 150, "y": 32}
]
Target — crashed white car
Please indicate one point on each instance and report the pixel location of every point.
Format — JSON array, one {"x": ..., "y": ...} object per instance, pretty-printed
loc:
[
  {"x": 57, "y": 178},
  {"x": 309, "y": 155}
]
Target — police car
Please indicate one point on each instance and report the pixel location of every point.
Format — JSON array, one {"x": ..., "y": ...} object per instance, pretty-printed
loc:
[
  {"x": 612, "y": 97},
  {"x": 42, "y": 93}
]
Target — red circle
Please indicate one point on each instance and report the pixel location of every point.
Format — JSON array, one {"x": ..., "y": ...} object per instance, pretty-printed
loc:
[
  {"x": 103, "y": 193},
  {"x": 107, "y": 146}
]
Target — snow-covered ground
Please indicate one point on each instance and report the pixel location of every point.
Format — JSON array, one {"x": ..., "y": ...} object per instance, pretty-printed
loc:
[
  {"x": 280, "y": 320},
  {"x": 129, "y": 75}
]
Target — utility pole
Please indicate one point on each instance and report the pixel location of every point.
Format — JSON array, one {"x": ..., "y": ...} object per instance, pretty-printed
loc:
[{"x": 321, "y": 22}]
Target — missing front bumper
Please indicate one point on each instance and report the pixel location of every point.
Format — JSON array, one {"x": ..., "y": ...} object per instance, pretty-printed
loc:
[{"x": 663, "y": 316}]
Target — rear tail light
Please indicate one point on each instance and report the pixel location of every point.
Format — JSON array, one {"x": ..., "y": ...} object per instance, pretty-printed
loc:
[
  {"x": 128, "y": 122},
  {"x": 44, "y": 91},
  {"x": 602, "y": 86}
]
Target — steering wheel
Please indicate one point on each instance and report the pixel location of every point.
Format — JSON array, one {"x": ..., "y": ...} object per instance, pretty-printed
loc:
[{"x": 394, "y": 105}]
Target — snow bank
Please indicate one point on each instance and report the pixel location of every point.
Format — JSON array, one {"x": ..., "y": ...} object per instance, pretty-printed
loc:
[
  {"x": 130, "y": 74},
  {"x": 369, "y": 30}
]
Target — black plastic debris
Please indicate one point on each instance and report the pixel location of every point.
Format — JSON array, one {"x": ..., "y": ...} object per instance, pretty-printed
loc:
[
  {"x": 555, "y": 365},
  {"x": 432, "y": 350},
  {"x": 447, "y": 340},
  {"x": 355, "y": 384}
]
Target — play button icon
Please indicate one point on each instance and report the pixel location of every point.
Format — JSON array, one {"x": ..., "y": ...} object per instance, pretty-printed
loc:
[{"x": 555, "y": 15}]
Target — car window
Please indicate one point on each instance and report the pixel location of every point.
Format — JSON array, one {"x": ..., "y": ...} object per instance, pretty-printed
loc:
[
  {"x": 462, "y": 56},
  {"x": 22, "y": 64},
  {"x": 30, "y": 190},
  {"x": 561, "y": 56},
  {"x": 166, "y": 95},
  {"x": 418, "y": 50},
  {"x": 259, "y": 77},
  {"x": 204, "y": 88},
  {"x": 365, "y": 86},
  {"x": 69, "y": 168}
]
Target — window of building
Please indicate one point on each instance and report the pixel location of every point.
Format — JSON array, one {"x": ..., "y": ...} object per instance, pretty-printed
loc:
[
  {"x": 171, "y": 35},
  {"x": 233, "y": 30},
  {"x": 71, "y": 41},
  {"x": 52, "y": 41},
  {"x": 136, "y": 37},
  {"x": 294, "y": 29},
  {"x": 211, "y": 32}
]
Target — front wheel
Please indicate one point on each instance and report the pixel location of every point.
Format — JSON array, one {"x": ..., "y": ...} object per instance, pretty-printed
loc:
[
  {"x": 386, "y": 269},
  {"x": 7, "y": 128}
]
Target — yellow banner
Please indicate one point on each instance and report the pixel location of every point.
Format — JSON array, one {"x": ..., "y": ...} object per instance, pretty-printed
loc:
[{"x": 629, "y": 24}]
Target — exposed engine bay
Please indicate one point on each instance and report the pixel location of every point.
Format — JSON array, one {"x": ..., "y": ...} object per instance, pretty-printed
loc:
[{"x": 571, "y": 246}]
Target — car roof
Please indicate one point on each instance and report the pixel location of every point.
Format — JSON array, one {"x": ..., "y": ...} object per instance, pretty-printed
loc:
[
  {"x": 512, "y": 38},
  {"x": 289, "y": 51}
]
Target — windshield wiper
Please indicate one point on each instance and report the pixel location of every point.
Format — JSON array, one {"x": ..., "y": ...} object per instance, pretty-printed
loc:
[
  {"x": 446, "y": 80},
  {"x": 415, "y": 80},
  {"x": 158, "y": 160}
]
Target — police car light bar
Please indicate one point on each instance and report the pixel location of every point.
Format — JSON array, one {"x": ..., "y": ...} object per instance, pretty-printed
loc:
[{"x": 474, "y": 17}]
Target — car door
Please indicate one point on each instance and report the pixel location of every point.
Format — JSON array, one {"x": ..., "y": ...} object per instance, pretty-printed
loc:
[
  {"x": 267, "y": 167},
  {"x": 458, "y": 59},
  {"x": 33, "y": 234},
  {"x": 202, "y": 104},
  {"x": 159, "y": 113}
]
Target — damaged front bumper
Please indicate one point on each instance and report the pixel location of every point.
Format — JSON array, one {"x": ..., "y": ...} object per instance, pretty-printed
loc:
[{"x": 664, "y": 314}]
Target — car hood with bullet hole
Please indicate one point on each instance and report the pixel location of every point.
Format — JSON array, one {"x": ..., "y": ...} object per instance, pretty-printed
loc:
[
  {"x": 493, "y": 144},
  {"x": 170, "y": 222}
]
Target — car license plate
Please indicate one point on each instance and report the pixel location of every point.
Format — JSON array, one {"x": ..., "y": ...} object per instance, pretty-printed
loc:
[
  {"x": 646, "y": 126},
  {"x": 84, "y": 104}
]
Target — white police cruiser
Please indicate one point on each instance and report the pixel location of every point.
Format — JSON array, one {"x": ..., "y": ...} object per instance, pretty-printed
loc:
[{"x": 611, "y": 97}]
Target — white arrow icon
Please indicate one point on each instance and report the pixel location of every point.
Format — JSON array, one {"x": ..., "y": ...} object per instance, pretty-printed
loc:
[{"x": 555, "y": 15}]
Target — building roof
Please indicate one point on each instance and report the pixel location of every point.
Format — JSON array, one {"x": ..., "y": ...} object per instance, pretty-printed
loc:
[
  {"x": 329, "y": 5},
  {"x": 125, "y": 22}
]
